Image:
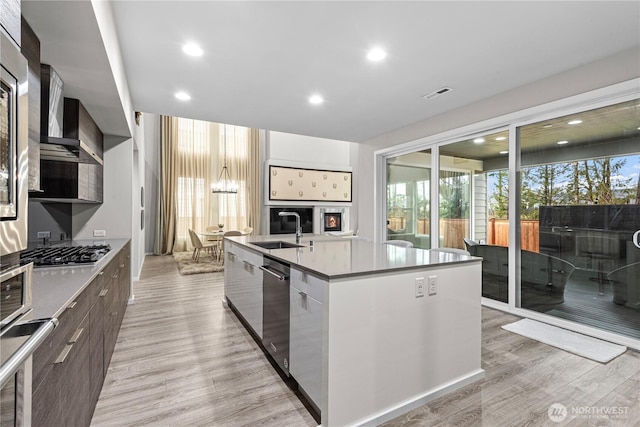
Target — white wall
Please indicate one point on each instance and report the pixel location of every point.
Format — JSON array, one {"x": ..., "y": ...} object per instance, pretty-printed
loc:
[
  {"x": 114, "y": 215},
  {"x": 308, "y": 149},
  {"x": 151, "y": 176},
  {"x": 617, "y": 68}
]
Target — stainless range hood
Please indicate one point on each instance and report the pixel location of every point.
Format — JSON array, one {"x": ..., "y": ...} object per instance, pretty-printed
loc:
[
  {"x": 67, "y": 150},
  {"x": 53, "y": 146}
]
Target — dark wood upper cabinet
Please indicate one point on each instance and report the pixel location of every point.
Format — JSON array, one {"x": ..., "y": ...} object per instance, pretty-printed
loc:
[{"x": 78, "y": 124}]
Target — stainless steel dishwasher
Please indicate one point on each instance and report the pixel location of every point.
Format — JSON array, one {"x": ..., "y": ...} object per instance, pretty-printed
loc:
[{"x": 275, "y": 313}]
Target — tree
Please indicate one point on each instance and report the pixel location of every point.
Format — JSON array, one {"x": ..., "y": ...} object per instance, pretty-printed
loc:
[{"x": 499, "y": 201}]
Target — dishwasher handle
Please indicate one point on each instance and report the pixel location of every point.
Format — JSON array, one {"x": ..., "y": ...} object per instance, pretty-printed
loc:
[{"x": 280, "y": 277}]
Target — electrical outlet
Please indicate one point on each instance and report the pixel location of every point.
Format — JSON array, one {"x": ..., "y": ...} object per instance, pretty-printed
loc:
[
  {"x": 44, "y": 234},
  {"x": 433, "y": 285},
  {"x": 99, "y": 233},
  {"x": 419, "y": 287}
]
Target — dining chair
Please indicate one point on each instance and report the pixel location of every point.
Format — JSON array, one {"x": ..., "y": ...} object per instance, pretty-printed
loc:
[
  {"x": 198, "y": 245},
  {"x": 221, "y": 246}
]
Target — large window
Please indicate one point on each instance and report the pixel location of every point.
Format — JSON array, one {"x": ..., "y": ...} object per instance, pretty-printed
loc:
[
  {"x": 202, "y": 149},
  {"x": 408, "y": 198}
]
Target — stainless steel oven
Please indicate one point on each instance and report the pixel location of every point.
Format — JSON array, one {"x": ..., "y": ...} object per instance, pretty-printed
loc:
[
  {"x": 20, "y": 336},
  {"x": 13, "y": 148}
]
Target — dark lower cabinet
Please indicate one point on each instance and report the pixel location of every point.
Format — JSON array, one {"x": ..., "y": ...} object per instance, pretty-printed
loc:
[{"x": 70, "y": 366}]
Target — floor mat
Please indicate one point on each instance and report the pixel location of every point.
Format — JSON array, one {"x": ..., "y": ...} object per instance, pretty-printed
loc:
[{"x": 573, "y": 342}]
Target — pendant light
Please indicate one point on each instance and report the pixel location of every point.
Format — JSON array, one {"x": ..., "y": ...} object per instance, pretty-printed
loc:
[{"x": 224, "y": 185}]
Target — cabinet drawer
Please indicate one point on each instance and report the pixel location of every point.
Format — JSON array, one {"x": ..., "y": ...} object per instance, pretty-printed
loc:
[
  {"x": 244, "y": 254},
  {"x": 308, "y": 284},
  {"x": 50, "y": 349}
]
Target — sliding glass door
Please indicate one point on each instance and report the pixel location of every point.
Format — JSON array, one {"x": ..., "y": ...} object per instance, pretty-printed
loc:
[{"x": 580, "y": 199}]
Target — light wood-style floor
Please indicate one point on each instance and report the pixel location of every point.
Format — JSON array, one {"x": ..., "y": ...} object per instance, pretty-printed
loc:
[{"x": 183, "y": 360}]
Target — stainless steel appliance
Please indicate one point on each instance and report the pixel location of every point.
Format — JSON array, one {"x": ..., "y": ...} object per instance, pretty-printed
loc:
[
  {"x": 275, "y": 313},
  {"x": 13, "y": 148},
  {"x": 52, "y": 256},
  {"x": 19, "y": 334}
]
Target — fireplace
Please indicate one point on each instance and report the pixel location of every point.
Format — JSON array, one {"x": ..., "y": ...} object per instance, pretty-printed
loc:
[{"x": 332, "y": 221}]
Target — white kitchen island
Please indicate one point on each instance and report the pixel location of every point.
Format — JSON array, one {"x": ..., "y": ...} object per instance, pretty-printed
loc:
[{"x": 365, "y": 347}]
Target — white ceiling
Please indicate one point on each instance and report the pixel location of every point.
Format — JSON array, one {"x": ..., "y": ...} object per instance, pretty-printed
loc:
[{"x": 262, "y": 60}]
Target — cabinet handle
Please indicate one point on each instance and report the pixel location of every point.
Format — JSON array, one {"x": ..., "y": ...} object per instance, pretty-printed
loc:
[
  {"x": 115, "y": 276},
  {"x": 114, "y": 313},
  {"x": 101, "y": 273},
  {"x": 75, "y": 336},
  {"x": 122, "y": 265},
  {"x": 103, "y": 292},
  {"x": 73, "y": 304},
  {"x": 65, "y": 352},
  {"x": 302, "y": 294},
  {"x": 248, "y": 264}
]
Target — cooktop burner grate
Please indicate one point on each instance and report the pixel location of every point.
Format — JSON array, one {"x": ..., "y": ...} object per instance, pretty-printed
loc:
[{"x": 64, "y": 255}]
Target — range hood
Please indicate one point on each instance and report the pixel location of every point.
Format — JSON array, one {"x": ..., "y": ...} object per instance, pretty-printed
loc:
[
  {"x": 53, "y": 124},
  {"x": 67, "y": 150}
]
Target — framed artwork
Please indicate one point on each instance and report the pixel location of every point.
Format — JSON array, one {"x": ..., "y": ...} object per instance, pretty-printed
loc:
[{"x": 309, "y": 185}]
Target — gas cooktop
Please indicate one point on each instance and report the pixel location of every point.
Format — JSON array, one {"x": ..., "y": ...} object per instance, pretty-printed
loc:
[{"x": 53, "y": 256}]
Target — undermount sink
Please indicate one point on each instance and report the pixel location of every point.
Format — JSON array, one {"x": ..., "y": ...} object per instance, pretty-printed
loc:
[{"x": 275, "y": 244}]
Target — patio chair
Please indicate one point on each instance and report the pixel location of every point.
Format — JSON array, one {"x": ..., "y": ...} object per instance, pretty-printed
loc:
[
  {"x": 543, "y": 279},
  {"x": 626, "y": 285}
]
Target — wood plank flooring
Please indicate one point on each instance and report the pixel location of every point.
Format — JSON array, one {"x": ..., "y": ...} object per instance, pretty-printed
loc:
[{"x": 181, "y": 359}]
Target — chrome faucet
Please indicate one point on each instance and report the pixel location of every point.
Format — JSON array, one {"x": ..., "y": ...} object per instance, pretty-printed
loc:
[{"x": 298, "y": 228}]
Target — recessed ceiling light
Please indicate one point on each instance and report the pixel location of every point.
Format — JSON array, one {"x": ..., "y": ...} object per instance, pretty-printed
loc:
[
  {"x": 192, "y": 49},
  {"x": 478, "y": 140},
  {"x": 376, "y": 54},
  {"x": 575, "y": 122},
  {"x": 183, "y": 96},
  {"x": 501, "y": 138},
  {"x": 316, "y": 99},
  {"x": 504, "y": 152},
  {"x": 562, "y": 142}
]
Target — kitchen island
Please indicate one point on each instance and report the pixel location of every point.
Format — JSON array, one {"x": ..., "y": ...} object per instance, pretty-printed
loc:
[{"x": 371, "y": 336}]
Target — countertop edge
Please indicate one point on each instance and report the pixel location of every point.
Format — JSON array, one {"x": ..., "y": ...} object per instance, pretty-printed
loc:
[
  {"x": 40, "y": 291},
  {"x": 243, "y": 241}
]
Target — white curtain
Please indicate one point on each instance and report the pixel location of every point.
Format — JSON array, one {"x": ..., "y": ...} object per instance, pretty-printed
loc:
[
  {"x": 234, "y": 144},
  {"x": 193, "y": 154},
  {"x": 194, "y": 173}
]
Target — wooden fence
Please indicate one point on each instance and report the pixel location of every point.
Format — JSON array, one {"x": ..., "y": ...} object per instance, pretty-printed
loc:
[
  {"x": 453, "y": 231},
  {"x": 498, "y": 233}
]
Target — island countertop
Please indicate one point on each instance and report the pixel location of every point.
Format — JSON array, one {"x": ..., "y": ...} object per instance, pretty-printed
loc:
[
  {"x": 54, "y": 288},
  {"x": 333, "y": 257}
]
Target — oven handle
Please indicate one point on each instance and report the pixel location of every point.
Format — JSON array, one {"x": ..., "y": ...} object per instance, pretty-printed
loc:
[
  {"x": 271, "y": 272},
  {"x": 11, "y": 366}
]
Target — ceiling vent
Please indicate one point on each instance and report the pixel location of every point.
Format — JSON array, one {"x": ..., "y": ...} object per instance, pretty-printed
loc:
[{"x": 438, "y": 92}]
